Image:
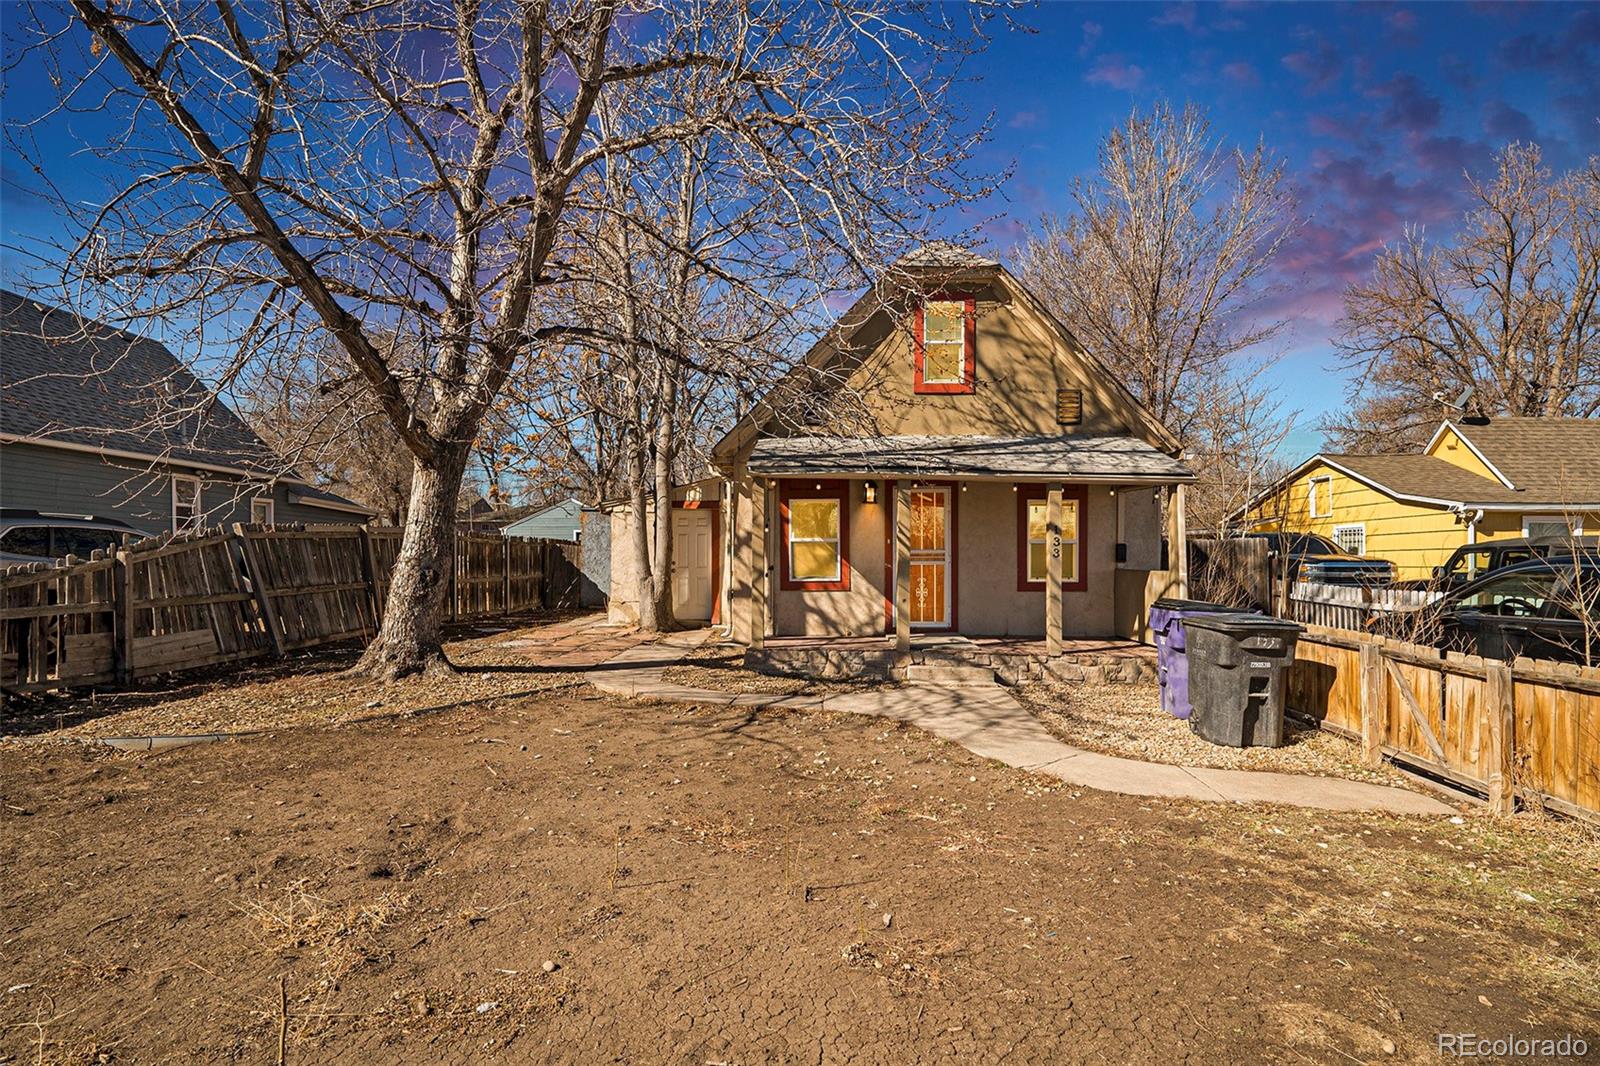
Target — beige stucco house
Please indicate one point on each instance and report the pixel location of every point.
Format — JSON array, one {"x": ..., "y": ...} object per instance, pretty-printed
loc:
[{"x": 947, "y": 459}]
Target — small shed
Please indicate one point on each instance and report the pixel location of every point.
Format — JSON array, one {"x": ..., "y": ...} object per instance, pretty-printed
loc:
[{"x": 559, "y": 521}]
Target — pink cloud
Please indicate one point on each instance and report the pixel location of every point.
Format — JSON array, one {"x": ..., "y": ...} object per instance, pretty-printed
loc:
[
  {"x": 1091, "y": 37},
  {"x": 1182, "y": 14},
  {"x": 1241, "y": 73},
  {"x": 1116, "y": 72}
]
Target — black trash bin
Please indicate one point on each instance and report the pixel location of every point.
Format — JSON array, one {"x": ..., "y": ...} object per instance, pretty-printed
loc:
[{"x": 1238, "y": 673}]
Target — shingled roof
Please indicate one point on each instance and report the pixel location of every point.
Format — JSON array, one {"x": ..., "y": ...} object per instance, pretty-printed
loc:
[
  {"x": 72, "y": 381},
  {"x": 1553, "y": 459},
  {"x": 1067, "y": 456},
  {"x": 76, "y": 381}
]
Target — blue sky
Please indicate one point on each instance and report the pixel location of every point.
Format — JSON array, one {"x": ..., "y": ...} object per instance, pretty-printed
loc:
[{"x": 1378, "y": 109}]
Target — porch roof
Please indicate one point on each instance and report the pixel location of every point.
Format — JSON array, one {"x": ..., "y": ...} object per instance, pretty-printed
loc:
[{"x": 1105, "y": 458}]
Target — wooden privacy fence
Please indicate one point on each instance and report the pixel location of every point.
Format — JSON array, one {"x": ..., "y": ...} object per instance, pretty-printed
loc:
[
  {"x": 1524, "y": 728},
  {"x": 1231, "y": 570},
  {"x": 216, "y": 596}
]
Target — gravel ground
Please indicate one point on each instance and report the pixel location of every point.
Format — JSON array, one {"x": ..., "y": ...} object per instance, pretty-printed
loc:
[
  {"x": 720, "y": 667},
  {"x": 307, "y": 689},
  {"x": 1128, "y": 720}
]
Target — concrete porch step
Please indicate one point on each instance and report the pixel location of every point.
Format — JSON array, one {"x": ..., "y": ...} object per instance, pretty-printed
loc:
[{"x": 940, "y": 674}]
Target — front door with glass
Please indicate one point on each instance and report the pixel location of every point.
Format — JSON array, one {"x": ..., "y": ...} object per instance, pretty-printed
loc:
[{"x": 931, "y": 562}]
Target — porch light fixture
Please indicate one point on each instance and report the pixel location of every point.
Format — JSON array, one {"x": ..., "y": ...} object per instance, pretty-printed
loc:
[{"x": 869, "y": 492}]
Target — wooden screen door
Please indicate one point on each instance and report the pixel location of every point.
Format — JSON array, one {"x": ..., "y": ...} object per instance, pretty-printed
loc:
[{"x": 930, "y": 557}]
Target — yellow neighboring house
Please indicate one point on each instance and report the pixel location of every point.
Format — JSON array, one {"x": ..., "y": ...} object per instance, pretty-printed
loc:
[{"x": 1477, "y": 480}]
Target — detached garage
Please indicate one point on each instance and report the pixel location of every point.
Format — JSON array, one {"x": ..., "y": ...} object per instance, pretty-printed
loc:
[{"x": 699, "y": 556}]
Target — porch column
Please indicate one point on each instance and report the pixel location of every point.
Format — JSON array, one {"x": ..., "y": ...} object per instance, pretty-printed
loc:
[
  {"x": 1052, "y": 573},
  {"x": 1180, "y": 541},
  {"x": 902, "y": 567},
  {"x": 758, "y": 564}
]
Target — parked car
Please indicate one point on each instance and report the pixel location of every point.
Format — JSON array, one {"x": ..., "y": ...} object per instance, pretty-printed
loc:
[
  {"x": 28, "y": 536},
  {"x": 1472, "y": 561},
  {"x": 1311, "y": 557},
  {"x": 1544, "y": 608}
]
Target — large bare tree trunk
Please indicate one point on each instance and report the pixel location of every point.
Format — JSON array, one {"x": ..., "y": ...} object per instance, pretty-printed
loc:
[{"x": 410, "y": 641}]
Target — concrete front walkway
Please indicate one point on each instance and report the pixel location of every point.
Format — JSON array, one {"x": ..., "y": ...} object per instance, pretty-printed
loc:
[{"x": 984, "y": 719}]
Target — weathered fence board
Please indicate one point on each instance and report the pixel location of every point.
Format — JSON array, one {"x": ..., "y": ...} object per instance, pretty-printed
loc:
[
  {"x": 59, "y": 624},
  {"x": 1522, "y": 729},
  {"x": 216, "y": 596},
  {"x": 1232, "y": 570}
]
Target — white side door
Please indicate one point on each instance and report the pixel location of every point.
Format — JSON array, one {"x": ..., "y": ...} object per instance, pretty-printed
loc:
[{"x": 692, "y": 589}]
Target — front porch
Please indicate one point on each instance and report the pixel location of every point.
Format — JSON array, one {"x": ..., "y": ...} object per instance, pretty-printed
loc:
[{"x": 1014, "y": 660}]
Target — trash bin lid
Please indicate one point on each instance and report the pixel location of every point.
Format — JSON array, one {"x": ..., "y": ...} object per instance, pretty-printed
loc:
[
  {"x": 1172, "y": 603},
  {"x": 1243, "y": 624}
]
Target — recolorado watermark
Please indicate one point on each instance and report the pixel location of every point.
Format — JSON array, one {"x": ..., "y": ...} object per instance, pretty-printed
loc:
[{"x": 1479, "y": 1046}]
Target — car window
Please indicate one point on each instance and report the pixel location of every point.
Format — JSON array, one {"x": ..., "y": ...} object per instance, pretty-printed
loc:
[
  {"x": 26, "y": 540},
  {"x": 1312, "y": 544},
  {"x": 1520, "y": 595},
  {"x": 1518, "y": 555},
  {"x": 1471, "y": 564},
  {"x": 82, "y": 541}
]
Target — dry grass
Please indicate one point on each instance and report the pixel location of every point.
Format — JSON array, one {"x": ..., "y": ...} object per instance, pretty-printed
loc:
[
  {"x": 339, "y": 939},
  {"x": 1127, "y": 720}
]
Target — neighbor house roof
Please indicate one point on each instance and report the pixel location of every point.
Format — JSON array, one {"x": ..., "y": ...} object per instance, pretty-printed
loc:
[
  {"x": 1423, "y": 477},
  {"x": 76, "y": 383},
  {"x": 1068, "y": 456},
  {"x": 1554, "y": 459},
  {"x": 1541, "y": 464}
]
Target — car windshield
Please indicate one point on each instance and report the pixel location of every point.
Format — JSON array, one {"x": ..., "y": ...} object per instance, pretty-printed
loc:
[
  {"x": 1312, "y": 544},
  {"x": 1534, "y": 593}
]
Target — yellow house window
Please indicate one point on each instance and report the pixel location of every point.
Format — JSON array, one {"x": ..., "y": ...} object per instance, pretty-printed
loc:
[{"x": 1319, "y": 497}]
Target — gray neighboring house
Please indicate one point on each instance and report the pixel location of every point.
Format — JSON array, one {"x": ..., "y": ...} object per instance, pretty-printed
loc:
[
  {"x": 588, "y": 527},
  {"x": 559, "y": 521},
  {"x": 95, "y": 420}
]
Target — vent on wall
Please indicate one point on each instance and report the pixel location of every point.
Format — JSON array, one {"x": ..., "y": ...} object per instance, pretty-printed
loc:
[{"x": 1069, "y": 406}]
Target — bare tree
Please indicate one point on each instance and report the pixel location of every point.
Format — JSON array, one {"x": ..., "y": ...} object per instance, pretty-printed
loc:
[
  {"x": 335, "y": 169},
  {"x": 1507, "y": 308},
  {"x": 1160, "y": 270}
]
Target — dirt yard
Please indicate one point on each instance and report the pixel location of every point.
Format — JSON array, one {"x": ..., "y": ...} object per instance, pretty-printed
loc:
[{"x": 573, "y": 878}]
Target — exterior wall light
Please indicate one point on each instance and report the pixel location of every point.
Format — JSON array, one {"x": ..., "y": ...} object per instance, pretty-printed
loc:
[{"x": 869, "y": 492}]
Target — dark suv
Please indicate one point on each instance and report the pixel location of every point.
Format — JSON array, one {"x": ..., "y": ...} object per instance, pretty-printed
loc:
[
  {"x": 1546, "y": 608},
  {"x": 1473, "y": 561},
  {"x": 1310, "y": 557},
  {"x": 28, "y": 536}
]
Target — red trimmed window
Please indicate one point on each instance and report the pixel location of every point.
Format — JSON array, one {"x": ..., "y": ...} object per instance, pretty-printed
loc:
[
  {"x": 816, "y": 535},
  {"x": 946, "y": 352},
  {"x": 1033, "y": 544}
]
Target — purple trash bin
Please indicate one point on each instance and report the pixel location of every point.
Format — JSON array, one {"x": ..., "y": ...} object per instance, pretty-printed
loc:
[{"x": 1172, "y": 660}]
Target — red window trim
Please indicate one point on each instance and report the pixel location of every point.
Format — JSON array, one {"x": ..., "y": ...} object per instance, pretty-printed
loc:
[
  {"x": 1025, "y": 495},
  {"x": 808, "y": 490},
  {"x": 716, "y": 550},
  {"x": 969, "y": 371}
]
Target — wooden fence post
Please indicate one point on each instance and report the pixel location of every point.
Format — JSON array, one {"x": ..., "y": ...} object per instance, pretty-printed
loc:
[
  {"x": 1372, "y": 710},
  {"x": 122, "y": 614},
  {"x": 369, "y": 566},
  {"x": 505, "y": 553},
  {"x": 1499, "y": 708},
  {"x": 455, "y": 565},
  {"x": 258, "y": 585}
]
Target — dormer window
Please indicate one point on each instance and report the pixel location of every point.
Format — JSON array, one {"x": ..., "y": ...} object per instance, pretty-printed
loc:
[{"x": 946, "y": 343}]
